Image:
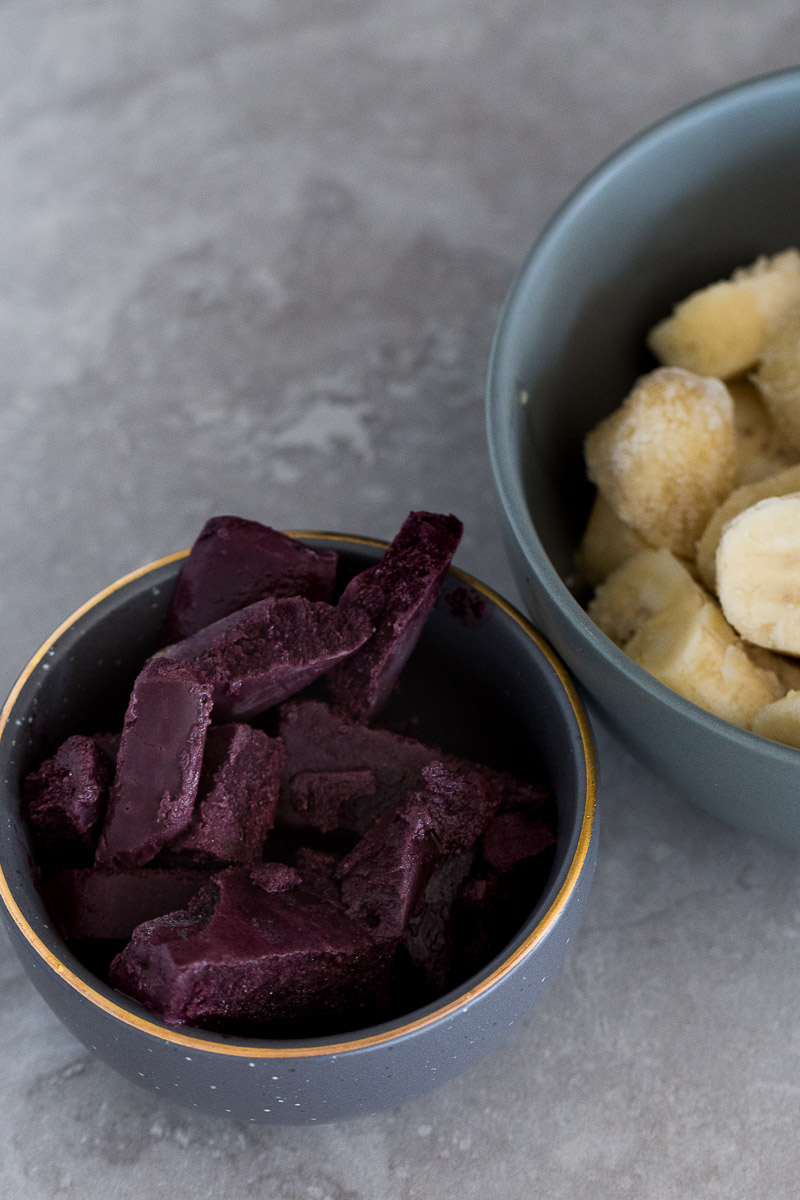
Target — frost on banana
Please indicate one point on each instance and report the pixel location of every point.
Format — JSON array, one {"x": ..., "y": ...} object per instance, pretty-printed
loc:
[
  {"x": 690, "y": 647},
  {"x": 758, "y": 573},
  {"x": 778, "y": 378},
  {"x": 781, "y": 484},
  {"x": 780, "y": 720},
  {"x": 758, "y": 449},
  {"x": 606, "y": 543},
  {"x": 785, "y": 669},
  {"x": 721, "y": 330},
  {"x": 643, "y": 585},
  {"x": 667, "y": 457}
]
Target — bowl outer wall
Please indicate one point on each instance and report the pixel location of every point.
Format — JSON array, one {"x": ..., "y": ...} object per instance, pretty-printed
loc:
[
  {"x": 322, "y": 1079},
  {"x": 708, "y": 189}
]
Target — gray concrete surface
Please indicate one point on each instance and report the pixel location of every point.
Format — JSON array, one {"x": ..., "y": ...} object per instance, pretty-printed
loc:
[{"x": 251, "y": 257}]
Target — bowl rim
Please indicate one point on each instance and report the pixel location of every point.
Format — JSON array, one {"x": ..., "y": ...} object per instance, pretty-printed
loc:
[
  {"x": 320, "y": 1047},
  {"x": 499, "y": 428}
]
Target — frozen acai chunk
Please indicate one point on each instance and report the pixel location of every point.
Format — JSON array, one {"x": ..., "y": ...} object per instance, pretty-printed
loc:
[
  {"x": 511, "y": 837},
  {"x": 242, "y": 955},
  {"x": 323, "y": 798},
  {"x": 384, "y": 875},
  {"x": 65, "y": 799},
  {"x": 320, "y": 742},
  {"x": 236, "y": 562},
  {"x": 236, "y": 798},
  {"x": 264, "y": 653},
  {"x": 158, "y": 767},
  {"x": 398, "y": 593},
  {"x": 98, "y": 903}
]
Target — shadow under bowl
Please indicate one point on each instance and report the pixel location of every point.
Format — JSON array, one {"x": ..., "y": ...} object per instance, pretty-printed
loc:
[
  {"x": 481, "y": 683},
  {"x": 707, "y": 190}
]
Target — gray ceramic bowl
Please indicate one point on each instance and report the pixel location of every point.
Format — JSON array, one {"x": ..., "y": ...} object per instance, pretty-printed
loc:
[
  {"x": 705, "y": 191},
  {"x": 489, "y": 688}
]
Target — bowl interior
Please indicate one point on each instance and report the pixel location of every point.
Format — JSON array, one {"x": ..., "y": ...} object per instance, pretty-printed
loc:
[{"x": 479, "y": 684}]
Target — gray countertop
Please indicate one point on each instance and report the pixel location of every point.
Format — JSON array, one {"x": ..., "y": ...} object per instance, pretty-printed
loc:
[{"x": 251, "y": 258}]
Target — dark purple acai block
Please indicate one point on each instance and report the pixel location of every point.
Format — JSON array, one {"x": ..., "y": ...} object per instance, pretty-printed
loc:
[
  {"x": 243, "y": 955},
  {"x": 236, "y": 798},
  {"x": 99, "y": 903},
  {"x": 385, "y": 874},
  {"x": 262, "y": 654},
  {"x": 65, "y": 799},
  {"x": 321, "y": 797},
  {"x": 513, "y": 837},
  {"x": 398, "y": 593},
  {"x": 158, "y": 766},
  {"x": 321, "y": 744},
  {"x": 236, "y": 562}
]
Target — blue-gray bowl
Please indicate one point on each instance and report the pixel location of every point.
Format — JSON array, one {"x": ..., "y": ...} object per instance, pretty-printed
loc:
[
  {"x": 478, "y": 687},
  {"x": 709, "y": 189}
]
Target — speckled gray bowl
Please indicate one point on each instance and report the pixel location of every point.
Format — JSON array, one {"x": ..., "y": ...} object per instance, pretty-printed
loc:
[
  {"x": 705, "y": 191},
  {"x": 490, "y": 688}
]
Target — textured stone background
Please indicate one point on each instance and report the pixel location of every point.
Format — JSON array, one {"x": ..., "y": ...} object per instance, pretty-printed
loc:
[{"x": 251, "y": 257}]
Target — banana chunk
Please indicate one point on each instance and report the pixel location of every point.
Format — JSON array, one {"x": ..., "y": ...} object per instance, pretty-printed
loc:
[
  {"x": 758, "y": 573},
  {"x": 780, "y": 720},
  {"x": 639, "y": 588},
  {"x": 781, "y": 484},
  {"x": 786, "y": 670},
  {"x": 758, "y": 449},
  {"x": 778, "y": 378},
  {"x": 692, "y": 649},
  {"x": 606, "y": 543},
  {"x": 667, "y": 457},
  {"x": 721, "y": 330}
]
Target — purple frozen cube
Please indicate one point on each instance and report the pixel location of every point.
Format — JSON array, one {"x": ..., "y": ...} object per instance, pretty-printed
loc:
[
  {"x": 100, "y": 903},
  {"x": 264, "y": 653},
  {"x": 319, "y": 741},
  {"x": 65, "y": 799},
  {"x": 513, "y": 837},
  {"x": 398, "y": 593},
  {"x": 158, "y": 767},
  {"x": 461, "y": 805},
  {"x": 321, "y": 798},
  {"x": 236, "y": 562},
  {"x": 428, "y": 937},
  {"x": 241, "y": 956},
  {"x": 236, "y": 798},
  {"x": 317, "y": 870},
  {"x": 385, "y": 874}
]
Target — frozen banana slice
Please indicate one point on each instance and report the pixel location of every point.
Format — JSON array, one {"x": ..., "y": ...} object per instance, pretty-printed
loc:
[
  {"x": 667, "y": 457},
  {"x": 758, "y": 452},
  {"x": 785, "y": 669},
  {"x": 780, "y": 720},
  {"x": 606, "y": 542},
  {"x": 778, "y": 378},
  {"x": 781, "y": 484},
  {"x": 721, "y": 329},
  {"x": 642, "y": 586},
  {"x": 758, "y": 573},
  {"x": 691, "y": 648}
]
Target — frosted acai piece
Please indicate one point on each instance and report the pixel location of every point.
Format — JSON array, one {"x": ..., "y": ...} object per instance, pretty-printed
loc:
[
  {"x": 258, "y": 656},
  {"x": 236, "y": 798},
  {"x": 244, "y": 954},
  {"x": 98, "y": 903},
  {"x": 320, "y": 743},
  {"x": 398, "y": 593},
  {"x": 158, "y": 766},
  {"x": 66, "y": 797},
  {"x": 384, "y": 875},
  {"x": 236, "y": 562}
]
